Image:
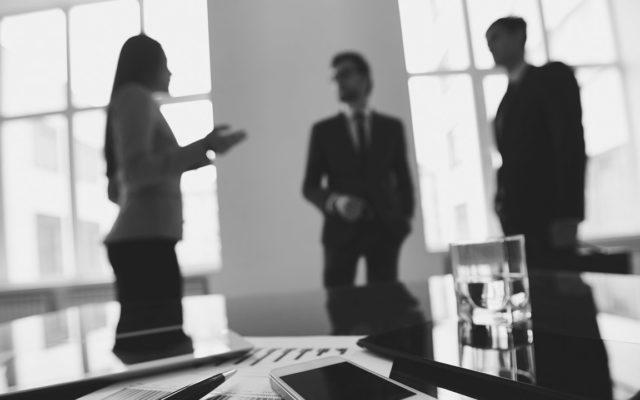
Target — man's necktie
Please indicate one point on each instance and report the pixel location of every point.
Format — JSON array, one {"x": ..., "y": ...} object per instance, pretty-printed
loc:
[{"x": 362, "y": 141}]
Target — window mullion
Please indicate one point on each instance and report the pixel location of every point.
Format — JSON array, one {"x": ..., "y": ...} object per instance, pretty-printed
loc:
[
  {"x": 545, "y": 33},
  {"x": 4, "y": 271},
  {"x": 72, "y": 109},
  {"x": 484, "y": 131},
  {"x": 212, "y": 78},
  {"x": 69, "y": 112},
  {"x": 141, "y": 8},
  {"x": 481, "y": 73}
]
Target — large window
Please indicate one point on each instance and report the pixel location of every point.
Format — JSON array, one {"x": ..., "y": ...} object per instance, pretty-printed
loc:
[
  {"x": 455, "y": 91},
  {"x": 56, "y": 70}
]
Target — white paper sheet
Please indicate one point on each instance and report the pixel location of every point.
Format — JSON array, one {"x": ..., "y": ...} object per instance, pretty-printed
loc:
[{"x": 251, "y": 382}]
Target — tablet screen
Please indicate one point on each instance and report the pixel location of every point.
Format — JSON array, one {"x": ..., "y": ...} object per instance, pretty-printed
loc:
[
  {"x": 581, "y": 366},
  {"x": 344, "y": 381}
]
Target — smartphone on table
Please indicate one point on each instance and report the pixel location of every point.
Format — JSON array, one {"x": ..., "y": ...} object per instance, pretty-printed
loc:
[{"x": 336, "y": 378}]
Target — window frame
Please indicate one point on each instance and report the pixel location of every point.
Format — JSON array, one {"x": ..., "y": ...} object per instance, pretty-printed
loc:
[
  {"x": 68, "y": 113},
  {"x": 485, "y": 131}
]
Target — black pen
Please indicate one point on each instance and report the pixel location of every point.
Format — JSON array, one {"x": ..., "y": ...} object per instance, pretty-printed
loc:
[{"x": 197, "y": 390}]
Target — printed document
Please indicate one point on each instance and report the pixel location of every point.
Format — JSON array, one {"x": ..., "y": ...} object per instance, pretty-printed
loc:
[{"x": 251, "y": 382}]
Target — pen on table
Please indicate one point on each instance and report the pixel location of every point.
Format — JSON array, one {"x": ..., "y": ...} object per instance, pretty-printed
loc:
[{"x": 197, "y": 390}]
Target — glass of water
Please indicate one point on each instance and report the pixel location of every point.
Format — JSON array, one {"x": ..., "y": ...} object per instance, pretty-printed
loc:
[
  {"x": 502, "y": 350},
  {"x": 491, "y": 281}
]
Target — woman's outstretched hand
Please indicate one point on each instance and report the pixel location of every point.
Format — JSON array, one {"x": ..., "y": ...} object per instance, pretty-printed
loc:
[{"x": 222, "y": 138}]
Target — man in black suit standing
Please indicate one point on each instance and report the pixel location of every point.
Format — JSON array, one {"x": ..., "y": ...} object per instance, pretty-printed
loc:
[
  {"x": 357, "y": 175},
  {"x": 539, "y": 134}
]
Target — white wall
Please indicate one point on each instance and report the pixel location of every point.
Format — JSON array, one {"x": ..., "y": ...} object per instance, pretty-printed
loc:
[{"x": 271, "y": 76}]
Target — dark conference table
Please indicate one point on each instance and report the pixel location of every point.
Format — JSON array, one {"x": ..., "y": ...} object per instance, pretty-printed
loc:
[{"x": 592, "y": 317}]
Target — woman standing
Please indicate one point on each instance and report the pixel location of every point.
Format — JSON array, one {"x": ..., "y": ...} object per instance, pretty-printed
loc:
[{"x": 144, "y": 166}]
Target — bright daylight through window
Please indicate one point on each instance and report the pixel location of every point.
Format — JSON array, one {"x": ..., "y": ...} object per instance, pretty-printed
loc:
[
  {"x": 455, "y": 91},
  {"x": 56, "y": 71}
]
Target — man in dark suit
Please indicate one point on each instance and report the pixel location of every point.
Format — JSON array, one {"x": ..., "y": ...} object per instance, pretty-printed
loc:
[
  {"x": 358, "y": 176},
  {"x": 538, "y": 131}
]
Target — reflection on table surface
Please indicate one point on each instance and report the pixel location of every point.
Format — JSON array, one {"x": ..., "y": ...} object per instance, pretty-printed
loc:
[
  {"x": 80, "y": 343},
  {"x": 578, "y": 306},
  {"x": 580, "y": 342}
]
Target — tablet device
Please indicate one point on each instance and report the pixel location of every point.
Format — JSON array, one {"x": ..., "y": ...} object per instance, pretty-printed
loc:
[
  {"x": 335, "y": 378},
  {"x": 553, "y": 363}
]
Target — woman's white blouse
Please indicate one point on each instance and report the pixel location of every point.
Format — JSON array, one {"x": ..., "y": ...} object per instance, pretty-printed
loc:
[{"x": 149, "y": 166}]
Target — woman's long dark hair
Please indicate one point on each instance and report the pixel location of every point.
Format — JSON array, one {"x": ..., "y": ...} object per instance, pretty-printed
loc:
[{"x": 140, "y": 61}]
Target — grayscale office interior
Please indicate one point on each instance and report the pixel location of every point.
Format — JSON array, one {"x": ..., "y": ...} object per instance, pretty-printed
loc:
[{"x": 264, "y": 66}]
